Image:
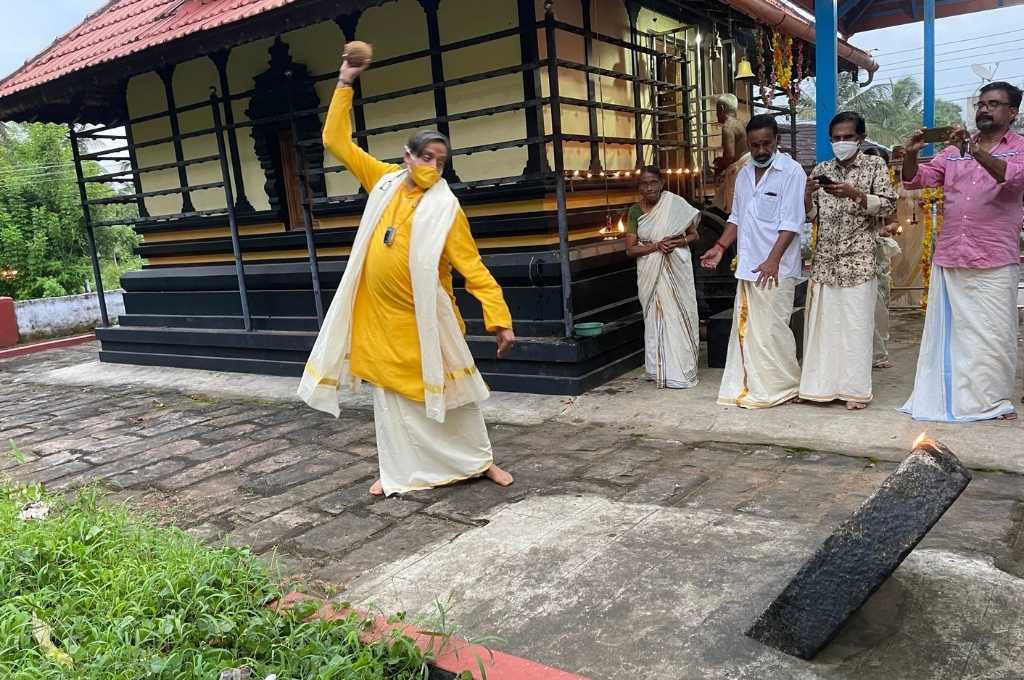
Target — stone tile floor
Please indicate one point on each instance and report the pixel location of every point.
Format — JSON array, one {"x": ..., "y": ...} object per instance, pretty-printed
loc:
[{"x": 292, "y": 483}]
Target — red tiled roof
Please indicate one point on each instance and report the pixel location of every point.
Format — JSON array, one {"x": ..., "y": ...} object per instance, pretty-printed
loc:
[{"x": 124, "y": 27}]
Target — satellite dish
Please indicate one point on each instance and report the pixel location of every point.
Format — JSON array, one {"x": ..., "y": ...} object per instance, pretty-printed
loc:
[{"x": 983, "y": 72}]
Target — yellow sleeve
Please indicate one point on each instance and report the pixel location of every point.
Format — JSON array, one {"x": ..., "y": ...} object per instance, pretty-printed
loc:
[
  {"x": 460, "y": 249},
  {"x": 337, "y": 139}
]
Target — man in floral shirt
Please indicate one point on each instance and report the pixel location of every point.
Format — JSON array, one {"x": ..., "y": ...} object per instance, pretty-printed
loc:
[{"x": 846, "y": 196}]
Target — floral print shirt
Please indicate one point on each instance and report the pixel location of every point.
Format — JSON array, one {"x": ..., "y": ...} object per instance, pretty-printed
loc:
[{"x": 844, "y": 255}]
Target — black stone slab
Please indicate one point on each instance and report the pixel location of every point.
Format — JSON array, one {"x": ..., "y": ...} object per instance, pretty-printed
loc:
[{"x": 862, "y": 553}]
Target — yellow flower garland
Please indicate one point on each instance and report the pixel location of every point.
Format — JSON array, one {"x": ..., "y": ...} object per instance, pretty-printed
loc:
[
  {"x": 929, "y": 197},
  {"x": 782, "y": 51}
]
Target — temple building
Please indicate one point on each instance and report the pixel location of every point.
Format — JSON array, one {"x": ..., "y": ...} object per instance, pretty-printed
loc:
[{"x": 207, "y": 115}]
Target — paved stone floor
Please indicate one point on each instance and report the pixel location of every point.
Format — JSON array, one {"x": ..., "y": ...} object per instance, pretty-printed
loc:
[{"x": 617, "y": 553}]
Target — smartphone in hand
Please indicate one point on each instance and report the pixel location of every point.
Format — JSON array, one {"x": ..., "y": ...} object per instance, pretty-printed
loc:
[{"x": 937, "y": 135}]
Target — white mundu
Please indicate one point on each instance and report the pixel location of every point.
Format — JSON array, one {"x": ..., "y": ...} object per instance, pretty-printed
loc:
[
  {"x": 761, "y": 369},
  {"x": 968, "y": 360},
  {"x": 668, "y": 295}
]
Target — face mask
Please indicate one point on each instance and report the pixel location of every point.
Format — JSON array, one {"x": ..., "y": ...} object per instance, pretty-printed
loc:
[
  {"x": 763, "y": 164},
  {"x": 844, "y": 151},
  {"x": 425, "y": 176}
]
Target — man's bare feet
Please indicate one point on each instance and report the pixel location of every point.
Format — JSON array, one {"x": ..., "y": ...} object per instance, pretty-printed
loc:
[
  {"x": 855, "y": 405},
  {"x": 882, "y": 364},
  {"x": 377, "y": 489},
  {"x": 1008, "y": 416},
  {"x": 498, "y": 476}
]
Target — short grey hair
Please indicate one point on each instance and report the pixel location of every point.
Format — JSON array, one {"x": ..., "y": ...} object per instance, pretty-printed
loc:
[
  {"x": 729, "y": 102},
  {"x": 419, "y": 141}
]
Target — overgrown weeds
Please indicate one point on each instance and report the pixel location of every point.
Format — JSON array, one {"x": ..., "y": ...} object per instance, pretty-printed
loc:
[{"x": 122, "y": 599}]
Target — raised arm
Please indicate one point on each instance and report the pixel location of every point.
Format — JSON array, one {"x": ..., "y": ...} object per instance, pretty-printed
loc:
[
  {"x": 915, "y": 176},
  {"x": 337, "y": 135}
]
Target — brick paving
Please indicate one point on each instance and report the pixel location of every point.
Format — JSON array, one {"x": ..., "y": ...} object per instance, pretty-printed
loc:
[{"x": 284, "y": 479}]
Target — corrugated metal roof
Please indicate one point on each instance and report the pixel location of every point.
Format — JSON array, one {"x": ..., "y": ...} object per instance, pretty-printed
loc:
[{"x": 124, "y": 27}]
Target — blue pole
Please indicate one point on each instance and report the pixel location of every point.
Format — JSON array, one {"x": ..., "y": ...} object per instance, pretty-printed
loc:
[
  {"x": 929, "y": 67},
  {"x": 826, "y": 70}
]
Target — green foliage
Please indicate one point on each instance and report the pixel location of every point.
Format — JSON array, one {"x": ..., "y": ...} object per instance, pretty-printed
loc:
[
  {"x": 128, "y": 600},
  {"x": 893, "y": 110},
  {"x": 43, "y": 249}
]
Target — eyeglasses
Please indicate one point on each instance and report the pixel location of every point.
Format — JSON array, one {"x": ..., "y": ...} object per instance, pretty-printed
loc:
[{"x": 989, "y": 105}]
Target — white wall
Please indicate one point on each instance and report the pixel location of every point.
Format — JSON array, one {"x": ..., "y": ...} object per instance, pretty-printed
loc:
[{"x": 59, "y": 316}]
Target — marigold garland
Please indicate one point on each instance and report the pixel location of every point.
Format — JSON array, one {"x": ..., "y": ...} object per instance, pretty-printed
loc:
[
  {"x": 929, "y": 198},
  {"x": 782, "y": 52}
]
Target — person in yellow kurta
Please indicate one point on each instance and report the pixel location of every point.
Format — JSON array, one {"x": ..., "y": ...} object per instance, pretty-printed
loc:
[{"x": 393, "y": 322}]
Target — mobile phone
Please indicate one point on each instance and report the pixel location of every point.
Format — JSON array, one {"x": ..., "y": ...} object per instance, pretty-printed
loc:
[
  {"x": 825, "y": 181},
  {"x": 934, "y": 135}
]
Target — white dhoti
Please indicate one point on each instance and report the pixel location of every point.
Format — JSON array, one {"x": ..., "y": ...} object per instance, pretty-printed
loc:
[
  {"x": 838, "y": 332},
  {"x": 968, "y": 359},
  {"x": 886, "y": 250},
  {"x": 880, "y": 344},
  {"x": 417, "y": 452},
  {"x": 761, "y": 369},
  {"x": 668, "y": 296}
]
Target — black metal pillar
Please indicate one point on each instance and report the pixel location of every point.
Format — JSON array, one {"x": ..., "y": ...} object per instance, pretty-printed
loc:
[
  {"x": 536, "y": 157},
  {"x": 220, "y": 60},
  {"x": 437, "y": 73},
  {"x": 89, "y": 234},
  {"x": 229, "y": 199},
  {"x": 633, "y": 13},
  {"x": 129, "y": 139},
  {"x": 305, "y": 195},
  {"x": 556, "y": 144},
  {"x": 588, "y": 61},
  {"x": 167, "y": 75}
]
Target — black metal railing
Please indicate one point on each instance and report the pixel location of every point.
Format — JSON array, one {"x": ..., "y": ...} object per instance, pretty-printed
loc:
[{"x": 231, "y": 180}]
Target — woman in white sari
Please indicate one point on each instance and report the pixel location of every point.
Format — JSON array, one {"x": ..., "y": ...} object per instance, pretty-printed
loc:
[{"x": 661, "y": 228}]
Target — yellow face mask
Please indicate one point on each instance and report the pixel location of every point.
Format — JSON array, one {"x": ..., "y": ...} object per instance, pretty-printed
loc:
[{"x": 425, "y": 176}]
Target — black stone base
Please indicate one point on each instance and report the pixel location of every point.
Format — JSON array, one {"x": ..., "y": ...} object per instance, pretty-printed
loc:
[{"x": 862, "y": 553}]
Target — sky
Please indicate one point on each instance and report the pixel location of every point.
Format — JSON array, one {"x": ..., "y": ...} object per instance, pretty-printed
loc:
[{"x": 992, "y": 39}]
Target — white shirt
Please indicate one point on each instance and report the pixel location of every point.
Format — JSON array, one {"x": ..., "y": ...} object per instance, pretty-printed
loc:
[{"x": 760, "y": 212}]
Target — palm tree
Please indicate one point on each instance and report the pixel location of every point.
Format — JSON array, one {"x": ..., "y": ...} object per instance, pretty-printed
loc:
[{"x": 892, "y": 110}]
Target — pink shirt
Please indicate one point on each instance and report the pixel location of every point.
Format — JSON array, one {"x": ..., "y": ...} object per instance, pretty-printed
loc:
[{"x": 982, "y": 221}]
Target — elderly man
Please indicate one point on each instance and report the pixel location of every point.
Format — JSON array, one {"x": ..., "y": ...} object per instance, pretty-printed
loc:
[
  {"x": 968, "y": 357},
  {"x": 393, "y": 322},
  {"x": 847, "y": 195},
  {"x": 768, "y": 213},
  {"x": 734, "y": 150}
]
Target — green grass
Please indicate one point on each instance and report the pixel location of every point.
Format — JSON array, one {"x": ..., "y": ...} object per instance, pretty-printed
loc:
[{"x": 128, "y": 600}]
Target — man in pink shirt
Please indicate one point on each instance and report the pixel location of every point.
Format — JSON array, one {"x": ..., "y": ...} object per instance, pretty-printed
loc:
[{"x": 968, "y": 359}]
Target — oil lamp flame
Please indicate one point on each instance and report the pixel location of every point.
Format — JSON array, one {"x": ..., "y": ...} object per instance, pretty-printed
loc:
[
  {"x": 920, "y": 439},
  {"x": 621, "y": 226}
]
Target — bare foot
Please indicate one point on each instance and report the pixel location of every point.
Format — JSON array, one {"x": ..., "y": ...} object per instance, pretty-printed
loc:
[
  {"x": 795, "y": 400},
  {"x": 883, "y": 364},
  {"x": 498, "y": 476},
  {"x": 377, "y": 489},
  {"x": 1008, "y": 416},
  {"x": 855, "y": 405}
]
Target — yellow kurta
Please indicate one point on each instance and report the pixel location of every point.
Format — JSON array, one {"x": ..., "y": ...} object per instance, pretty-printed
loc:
[{"x": 385, "y": 342}]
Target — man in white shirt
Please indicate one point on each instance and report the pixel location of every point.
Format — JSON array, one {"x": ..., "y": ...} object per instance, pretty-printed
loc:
[{"x": 767, "y": 215}]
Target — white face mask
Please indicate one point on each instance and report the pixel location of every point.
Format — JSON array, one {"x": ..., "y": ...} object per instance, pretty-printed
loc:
[
  {"x": 766, "y": 164},
  {"x": 844, "y": 151}
]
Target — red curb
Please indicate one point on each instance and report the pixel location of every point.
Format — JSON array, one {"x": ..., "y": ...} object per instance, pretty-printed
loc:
[
  {"x": 21, "y": 350},
  {"x": 462, "y": 655}
]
